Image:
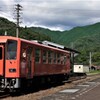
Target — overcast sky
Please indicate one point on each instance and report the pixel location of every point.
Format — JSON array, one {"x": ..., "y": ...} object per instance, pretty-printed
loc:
[{"x": 54, "y": 14}]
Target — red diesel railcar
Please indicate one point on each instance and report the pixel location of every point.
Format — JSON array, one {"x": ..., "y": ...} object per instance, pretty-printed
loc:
[{"x": 23, "y": 61}]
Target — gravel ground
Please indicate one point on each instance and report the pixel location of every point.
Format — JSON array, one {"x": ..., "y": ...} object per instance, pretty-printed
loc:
[{"x": 51, "y": 91}]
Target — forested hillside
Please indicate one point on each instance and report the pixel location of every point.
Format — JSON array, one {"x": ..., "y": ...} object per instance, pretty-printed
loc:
[
  {"x": 26, "y": 33},
  {"x": 85, "y": 39}
]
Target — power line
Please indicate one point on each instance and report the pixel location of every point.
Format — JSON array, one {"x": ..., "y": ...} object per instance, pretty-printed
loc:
[{"x": 18, "y": 8}]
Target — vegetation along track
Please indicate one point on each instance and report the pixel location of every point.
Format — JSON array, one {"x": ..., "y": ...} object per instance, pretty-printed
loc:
[{"x": 37, "y": 95}]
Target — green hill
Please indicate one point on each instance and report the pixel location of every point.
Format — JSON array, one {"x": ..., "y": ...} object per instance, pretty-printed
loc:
[
  {"x": 26, "y": 33},
  {"x": 72, "y": 36},
  {"x": 54, "y": 35},
  {"x": 79, "y": 32}
]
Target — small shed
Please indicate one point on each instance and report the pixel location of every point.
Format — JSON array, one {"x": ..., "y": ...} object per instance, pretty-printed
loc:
[{"x": 80, "y": 69}]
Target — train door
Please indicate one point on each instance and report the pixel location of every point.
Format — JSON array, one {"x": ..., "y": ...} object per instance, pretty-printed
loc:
[
  {"x": 1, "y": 60},
  {"x": 29, "y": 62}
]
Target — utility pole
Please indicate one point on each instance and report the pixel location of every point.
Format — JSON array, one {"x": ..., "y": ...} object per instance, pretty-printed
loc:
[
  {"x": 5, "y": 33},
  {"x": 18, "y": 8},
  {"x": 72, "y": 45},
  {"x": 90, "y": 61}
]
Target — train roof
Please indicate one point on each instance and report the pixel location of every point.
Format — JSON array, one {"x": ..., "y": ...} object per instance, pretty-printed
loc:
[
  {"x": 55, "y": 45},
  {"x": 49, "y": 44},
  {"x": 71, "y": 50},
  {"x": 59, "y": 46}
]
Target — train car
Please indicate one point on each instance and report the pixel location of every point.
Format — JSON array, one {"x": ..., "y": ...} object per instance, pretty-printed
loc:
[{"x": 22, "y": 62}]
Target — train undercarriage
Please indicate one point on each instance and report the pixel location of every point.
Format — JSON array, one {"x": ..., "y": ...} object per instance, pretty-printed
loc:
[
  {"x": 14, "y": 84},
  {"x": 9, "y": 84},
  {"x": 17, "y": 84}
]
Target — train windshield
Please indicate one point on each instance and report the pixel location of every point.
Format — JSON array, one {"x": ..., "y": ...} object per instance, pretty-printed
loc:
[{"x": 11, "y": 49}]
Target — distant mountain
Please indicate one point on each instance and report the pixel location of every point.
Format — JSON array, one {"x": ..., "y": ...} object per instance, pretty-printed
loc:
[
  {"x": 85, "y": 39},
  {"x": 80, "y": 32},
  {"x": 72, "y": 36}
]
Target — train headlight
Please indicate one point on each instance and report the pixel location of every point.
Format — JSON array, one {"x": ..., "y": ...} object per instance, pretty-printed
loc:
[{"x": 12, "y": 70}]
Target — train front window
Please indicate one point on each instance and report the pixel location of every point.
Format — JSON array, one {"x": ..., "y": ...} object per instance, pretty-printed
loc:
[{"x": 11, "y": 49}]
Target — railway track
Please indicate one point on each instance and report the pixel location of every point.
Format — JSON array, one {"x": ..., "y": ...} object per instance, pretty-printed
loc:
[
  {"x": 4, "y": 95},
  {"x": 42, "y": 92}
]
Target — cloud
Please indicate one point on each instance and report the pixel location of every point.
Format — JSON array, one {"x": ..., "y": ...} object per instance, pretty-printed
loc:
[{"x": 55, "y": 14}]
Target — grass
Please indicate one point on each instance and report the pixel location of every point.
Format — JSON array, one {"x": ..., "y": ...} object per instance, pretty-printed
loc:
[{"x": 93, "y": 72}]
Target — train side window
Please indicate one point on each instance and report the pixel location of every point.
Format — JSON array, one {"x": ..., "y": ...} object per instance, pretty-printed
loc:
[
  {"x": 65, "y": 60},
  {"x": 55, "y": 58},
  {"x": 37, "y": 55},
  {"x": 62, "y": 59},
  {"x": 50, "y": 57},
  {"x": 58, "y": 58},
  {"x": 45, "y": 56},
  {"x": 0, "y": 52}
]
